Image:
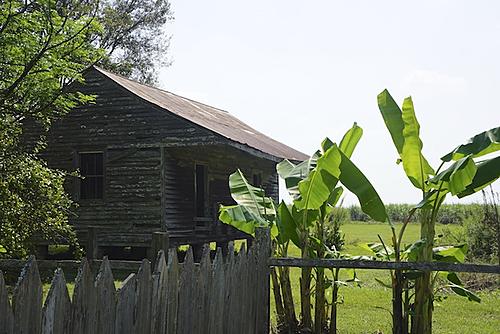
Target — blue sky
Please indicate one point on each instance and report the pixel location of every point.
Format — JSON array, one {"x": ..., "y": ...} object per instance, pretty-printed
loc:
[{"x": 303, "y": 70}]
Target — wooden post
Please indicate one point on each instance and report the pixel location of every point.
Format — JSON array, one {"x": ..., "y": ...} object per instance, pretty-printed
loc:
[
  {"x": 159, "y": 241},
  {"x": 263, "y": 249},
  {"x": 91, "y": 249}
]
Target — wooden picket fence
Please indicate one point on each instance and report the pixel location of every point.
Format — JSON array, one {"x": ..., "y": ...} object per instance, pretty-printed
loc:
[{"x": 227, "y": 295}]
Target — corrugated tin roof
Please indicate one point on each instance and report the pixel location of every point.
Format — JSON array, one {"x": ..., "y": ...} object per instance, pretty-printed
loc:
[{"x": 211, "y": 118}]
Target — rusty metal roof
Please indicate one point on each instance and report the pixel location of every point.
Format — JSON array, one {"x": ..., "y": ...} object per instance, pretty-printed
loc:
[{"x": 214, "y": 119}]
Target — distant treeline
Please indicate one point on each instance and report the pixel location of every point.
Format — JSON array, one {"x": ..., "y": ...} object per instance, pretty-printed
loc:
[{"x": 448, "y": 214}]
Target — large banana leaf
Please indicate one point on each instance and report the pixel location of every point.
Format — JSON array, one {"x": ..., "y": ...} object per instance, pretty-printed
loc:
[
  {"x": 354, "y": 180},
  {"x": 350, "y": 140},
  {"x": 414, "y": 163},
  {"x": 487, "y": 172},
  {"x": 405, "y": 132},
  {"x": 292, "y": 174},
  {"x": 252, "y": 198},
  {"x": 481, "y": 144},
  {"x": 241, "y": 218},
  {"x": 457, "y": 176},
  {"x": 393, "y": 118},
  {"x": 316, "y": 188},
  {"x": 287, "y": 225}
]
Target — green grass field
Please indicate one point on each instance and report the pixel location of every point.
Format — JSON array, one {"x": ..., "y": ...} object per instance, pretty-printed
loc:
[{"x": 366, "y": 309}]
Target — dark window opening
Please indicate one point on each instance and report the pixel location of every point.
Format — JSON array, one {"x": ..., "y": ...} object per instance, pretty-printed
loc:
[
  {"x": 201, "y": 190},
  {"x": 92, "y": 171},
  {"x": 257, "y": 180}
]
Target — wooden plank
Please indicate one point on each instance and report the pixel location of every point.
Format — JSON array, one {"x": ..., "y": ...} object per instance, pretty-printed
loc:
[
  {"x": 203, "y": 281},
  {"x": 106, "y": 299},
  {"x": 368, "y": 264},
  {"x": 11, "y": 265},
  {"x": 143, "y": 299},
  {"x": 172, "y": 291},
  {"x": 228, "y": 270},
  {"x": 217, "y": 316},
  {"x": 185, "y": 315},
  {"x": 27, "y": 300},
  {"x": 83, "y": 306},
  {"x": 6, "y": 315},
  {"x": 263, "y": 241},
  {"x": 252, "y": 287},
  {"x": 159, "y": 295},
  {"x": 243, "y": 301},
  {"x": 125, "y": 306},
  {"x": 56, "y": 313}
]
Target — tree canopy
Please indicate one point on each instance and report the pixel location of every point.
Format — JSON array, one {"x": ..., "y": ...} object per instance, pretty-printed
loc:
[{"x": 45, "y": 47}]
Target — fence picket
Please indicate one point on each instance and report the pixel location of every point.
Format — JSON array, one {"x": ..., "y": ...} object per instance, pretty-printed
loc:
[
  {"x": 227, "y": 279},
  {"x": 217, "y": 315},
  {"x": 125, "y": 306},
  {"x": 204, "y": 274},
  {"x": 56, "y": 313},
  {"x": 27, "y": 300},
  {"x": 185, "y": 314},
  {"x": 172, "y": 291},
  {"x": 83, "y": 306},
  {"x": 143, "y": 298},
  {"x": 106, "y": 299},
  {"x": 159, "y": 295},
  {"x": 6, "y": 315}
]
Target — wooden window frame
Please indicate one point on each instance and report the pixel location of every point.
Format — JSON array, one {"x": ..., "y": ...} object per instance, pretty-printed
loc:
[{"x": 103, "y": 176}]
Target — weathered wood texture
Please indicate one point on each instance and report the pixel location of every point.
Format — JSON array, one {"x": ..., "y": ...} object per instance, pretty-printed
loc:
[
  {"x": 368, "y": 264},
  {"x": 149, "y": 160},
  {"x": 225, "y": 295}
]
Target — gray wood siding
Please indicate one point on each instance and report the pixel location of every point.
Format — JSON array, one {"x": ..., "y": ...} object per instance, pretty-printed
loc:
[{"x": 146, "y": 190}]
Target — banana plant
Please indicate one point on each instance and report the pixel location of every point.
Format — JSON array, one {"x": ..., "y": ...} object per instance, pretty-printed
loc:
[
  {"x": 316, "y": 186},
  {"x": 459, "y": 174}
]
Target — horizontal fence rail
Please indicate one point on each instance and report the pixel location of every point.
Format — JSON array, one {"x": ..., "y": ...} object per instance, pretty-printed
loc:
[{"x": 369, "y": 264}]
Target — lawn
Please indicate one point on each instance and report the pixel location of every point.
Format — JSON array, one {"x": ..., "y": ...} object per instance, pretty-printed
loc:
[{"x": 366, "y": 309}]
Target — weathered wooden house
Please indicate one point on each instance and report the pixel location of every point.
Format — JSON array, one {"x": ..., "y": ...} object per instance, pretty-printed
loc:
[{"x": 155, "y": 161}]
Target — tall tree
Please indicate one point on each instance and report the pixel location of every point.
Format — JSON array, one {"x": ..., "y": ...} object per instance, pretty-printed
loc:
[
  {"x": 134, "y": 37},
  {"x": 45, "y": 47}
]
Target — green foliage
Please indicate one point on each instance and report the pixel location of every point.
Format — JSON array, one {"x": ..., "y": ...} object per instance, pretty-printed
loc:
[
  {"x": 448, "y": 213},
  {"x": 33, "y": 203},
  {"x": 483, "y": 235},
  {"x": 133, "y": 37},
  {"x": 464, "y": 176},
  {"x": 44, "y": 47}
]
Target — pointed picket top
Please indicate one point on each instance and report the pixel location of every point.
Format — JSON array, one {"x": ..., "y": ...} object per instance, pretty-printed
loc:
[
  {"x": 216, "y": 315},
  {"x": 205, "y": 257},
  {"x": 106, "y": 298},
  {"x": 83, "y": 306},
  {"x": 6, "y": 315},
  {"x": 159, "y": 294},
  {"x": 172, "y": 260},
  {"x": 230, "y": 247},
  {"x": 172, "y": 291},
  {"x": 27, "y": 300},
  {"x": 57, "y": 309},
  {"x": 160, "y": 263},
  {"x": 125, "y": 306},
  {"x": 143, "y": 298},
  {"x": 187, "y": 294},
  {"x": 243, "y": 249}
]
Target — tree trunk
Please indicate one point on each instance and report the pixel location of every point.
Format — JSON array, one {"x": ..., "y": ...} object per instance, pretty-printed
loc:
[
  {"x": 288, "y": 304},
  {"x": 397, "y": 303},
  {"x": 335, "y": 294},
  {"x": 319, "y": 308},
  {"x": 278, "y": 301},
  {"x": 423, "y": 285}
]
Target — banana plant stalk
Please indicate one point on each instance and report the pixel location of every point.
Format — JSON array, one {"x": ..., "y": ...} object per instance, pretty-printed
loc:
[{"x": 463, "y": 177}]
